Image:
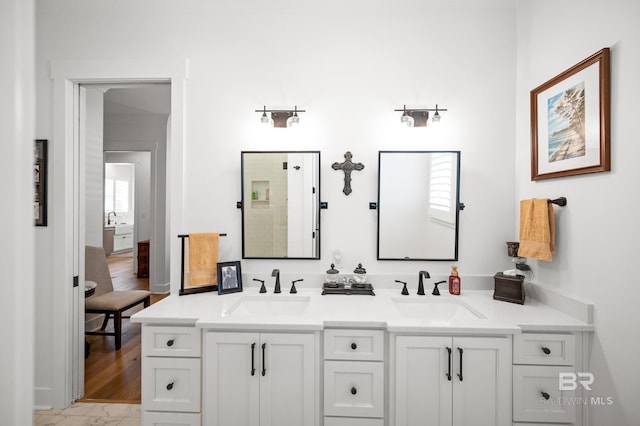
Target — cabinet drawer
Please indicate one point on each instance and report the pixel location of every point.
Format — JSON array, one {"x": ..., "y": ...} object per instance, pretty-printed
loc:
[
  {"x": 353, "y": 389},
  {"x": 547, "y": 349},
  {"x": 171, "y": 384},
  {"x": 529, "y": 402},
  {"x": 170, "y": 419},
  {"x": 350, "y": 421},
  {"x": 171, "y": 341},
  {"x": 361, "y": 345}
]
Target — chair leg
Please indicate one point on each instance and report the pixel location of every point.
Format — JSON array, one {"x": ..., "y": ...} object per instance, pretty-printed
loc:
[
  {"x": 104, "y": 323},
  {"x": 117, "y": 326},
  {"x": 147, "y": 301}
]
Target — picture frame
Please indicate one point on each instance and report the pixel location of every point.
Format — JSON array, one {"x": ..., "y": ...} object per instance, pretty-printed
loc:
[
  {"x": 40, "y": 182},
  {"x": 229, "y": 277},
  {"x": 570, "y": 121}
]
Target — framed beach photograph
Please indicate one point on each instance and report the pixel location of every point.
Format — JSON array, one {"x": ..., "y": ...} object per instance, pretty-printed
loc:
[
  {"x": 229, "y": 277},
  {"x": 40, "y": 183},
  {"x": 570, "y": 121}
]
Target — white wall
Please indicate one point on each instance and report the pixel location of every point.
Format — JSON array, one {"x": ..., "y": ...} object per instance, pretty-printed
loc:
[
  {"x": 94, "y": 170},
  {"x": 17, "y": 112},
  {"x": 596, "y": 242},
  {"x": 349, "y": 64}
]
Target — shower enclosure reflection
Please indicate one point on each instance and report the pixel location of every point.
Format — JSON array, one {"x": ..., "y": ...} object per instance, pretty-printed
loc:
[{"x": 280, "y": 205}]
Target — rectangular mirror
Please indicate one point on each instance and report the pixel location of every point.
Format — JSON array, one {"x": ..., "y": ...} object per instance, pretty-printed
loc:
[
  {"x": 281, "y": 205},
  {"x": 418, "y": 205}
]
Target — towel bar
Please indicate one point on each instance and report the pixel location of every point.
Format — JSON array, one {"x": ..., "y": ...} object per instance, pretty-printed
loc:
[
  {"x": 562, "y": 201},
  {"x": 184, "y": 291}
]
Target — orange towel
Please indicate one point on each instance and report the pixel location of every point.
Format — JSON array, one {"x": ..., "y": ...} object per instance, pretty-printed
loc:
[
  {"x": 537, "y": 229},
  {"x": 203, "y": 258}
]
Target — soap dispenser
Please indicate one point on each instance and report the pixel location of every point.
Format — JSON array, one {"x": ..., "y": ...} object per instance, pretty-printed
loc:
[{"x": 454, "y": 281}]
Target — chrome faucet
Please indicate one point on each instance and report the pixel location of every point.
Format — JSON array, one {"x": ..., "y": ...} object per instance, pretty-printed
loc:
[
  {"x": 422, "y": 274},
  {"x": 276, "y": 273},
  {"x": 109, "y": 217}
]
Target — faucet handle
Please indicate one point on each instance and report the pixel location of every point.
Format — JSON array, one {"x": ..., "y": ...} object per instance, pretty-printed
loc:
[
  {"x": 405, "y": 292},
  {"x": 263, "y": 289},
  {"x": 436, "y": 292},
  {"x": 293, "y": 286}
]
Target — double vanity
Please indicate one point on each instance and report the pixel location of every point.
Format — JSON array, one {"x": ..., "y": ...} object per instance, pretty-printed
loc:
[{"x": 336, "y": 360}]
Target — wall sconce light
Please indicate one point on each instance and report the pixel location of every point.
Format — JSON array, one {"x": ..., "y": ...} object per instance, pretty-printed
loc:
[
  {"x": 280, "y": 117},
  {"x": 418, "y": 117}
]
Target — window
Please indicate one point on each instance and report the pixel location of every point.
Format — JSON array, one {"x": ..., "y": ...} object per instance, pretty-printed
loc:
[
  {"x": 116, "y": 196},
  {"x": 442, "y": 187}
]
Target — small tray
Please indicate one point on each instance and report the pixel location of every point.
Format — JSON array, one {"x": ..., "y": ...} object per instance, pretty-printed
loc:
[{"x": 509, "y": 288}]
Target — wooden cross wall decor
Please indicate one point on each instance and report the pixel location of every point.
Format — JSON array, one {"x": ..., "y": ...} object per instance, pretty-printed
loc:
[{"x": 347, "y": 166}]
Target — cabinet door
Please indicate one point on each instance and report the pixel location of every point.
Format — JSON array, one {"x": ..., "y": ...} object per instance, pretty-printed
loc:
[
  {"x": 231, "y": 379},
  {"x": 288, "y": 386},
  {"x": 482, "y": 381},
  {"x": 422, "y": 387}
]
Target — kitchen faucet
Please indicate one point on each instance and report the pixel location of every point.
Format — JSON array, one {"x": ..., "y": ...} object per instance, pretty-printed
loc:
[
  {"x": 109, "y": 217},
  {"x": 422, "y": 274},
  {"x": 276, "y": 273}
]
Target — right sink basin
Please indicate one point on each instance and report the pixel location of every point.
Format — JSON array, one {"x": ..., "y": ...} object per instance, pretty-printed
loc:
[{"x": 436, "y": 310}]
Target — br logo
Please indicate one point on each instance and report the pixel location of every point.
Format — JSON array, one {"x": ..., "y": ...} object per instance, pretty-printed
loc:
[{"x": 569, "y": 381}]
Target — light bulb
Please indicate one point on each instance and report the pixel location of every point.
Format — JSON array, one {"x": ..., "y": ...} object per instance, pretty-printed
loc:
[
  {"x": 406, "y": 119},
  {"x": 294, "y": 120}
]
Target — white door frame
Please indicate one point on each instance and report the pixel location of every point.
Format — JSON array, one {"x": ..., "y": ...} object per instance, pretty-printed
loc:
[{"x": 68, "y": 258}]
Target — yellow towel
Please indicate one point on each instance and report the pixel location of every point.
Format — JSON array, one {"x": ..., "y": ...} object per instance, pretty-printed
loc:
[
  {"x": 203, "y": 258},
  {"x": 537, "y": 229}
]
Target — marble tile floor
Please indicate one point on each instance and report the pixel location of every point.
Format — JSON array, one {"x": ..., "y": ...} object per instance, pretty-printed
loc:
[{"x": 90, "y": 414}]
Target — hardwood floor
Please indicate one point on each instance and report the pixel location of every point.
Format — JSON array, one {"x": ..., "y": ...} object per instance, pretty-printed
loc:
[{"x": 110, "y": 375}]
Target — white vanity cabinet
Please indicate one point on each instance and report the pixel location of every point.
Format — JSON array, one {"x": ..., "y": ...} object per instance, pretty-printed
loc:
[
  {"x": 444, "y": 381},
  {"x": 171, "y": 375},
  {"x": 260, "y": 379},
  {"x": 354, "y": 377},
  {"x": 539, "y": 360}
]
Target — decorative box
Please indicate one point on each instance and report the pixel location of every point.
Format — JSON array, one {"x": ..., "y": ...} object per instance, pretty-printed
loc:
[{"x": 509, "y": 288}]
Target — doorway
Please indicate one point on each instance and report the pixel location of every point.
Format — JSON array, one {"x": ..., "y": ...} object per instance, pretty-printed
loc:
[{"x": 125, "y": 131}]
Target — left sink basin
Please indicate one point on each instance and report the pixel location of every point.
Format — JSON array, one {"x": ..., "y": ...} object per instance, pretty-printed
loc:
[{"x": 268, "y": 305}]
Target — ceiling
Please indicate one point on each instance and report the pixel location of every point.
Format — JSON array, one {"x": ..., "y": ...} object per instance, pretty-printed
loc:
[{"x": 151, "y": 98}]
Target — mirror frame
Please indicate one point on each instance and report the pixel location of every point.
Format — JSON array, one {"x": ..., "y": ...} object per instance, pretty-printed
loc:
[
  {"x": 317, "y": 209},
  {"x": 457, "y": 203}
]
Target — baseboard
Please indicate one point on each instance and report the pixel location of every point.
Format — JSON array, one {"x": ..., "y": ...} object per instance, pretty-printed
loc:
[
  {"x": 161, "y": 288},
  {"x": 43, "y": 398}
]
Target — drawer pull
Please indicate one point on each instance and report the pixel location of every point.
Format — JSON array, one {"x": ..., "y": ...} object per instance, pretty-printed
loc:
[
  {"x": 264, "y": 368},
  {"x": 545, "y": 395},
  {"x": 170, "y": 342},
  {"x": 354, "y": 391},
  {"x": 460, "y": 374},
  {"x": 170, "y": 386},
  {"x": 253, "y": 365},
  {"x": 354, "y": 346},
  {"x": 546, "y": 350},
  {"x": 449, "y": 368}
]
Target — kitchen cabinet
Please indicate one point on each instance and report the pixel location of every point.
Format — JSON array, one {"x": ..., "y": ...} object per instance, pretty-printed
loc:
[
  {"x": 107, "y": 241},
  {"x": 260, "y": 379},
  {"x": 444, "y": 381},
  {"x": 171, "y": 375}
]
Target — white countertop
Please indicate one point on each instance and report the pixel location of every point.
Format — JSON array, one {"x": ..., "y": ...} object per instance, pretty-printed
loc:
[{"x": 209, "y": 311}]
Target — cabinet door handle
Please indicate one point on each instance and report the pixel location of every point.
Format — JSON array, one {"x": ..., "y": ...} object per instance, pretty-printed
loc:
[
  {"x": 170, "y": 386},
  {"x": 253, "y": 365},
  {"x": 546, "y": 350},
  {"x": 354, "y": 390},
  {"x": 449, "y": 367},
  {"x": 460, "y": 373},
  {"x": 354, "y": 346},
  {"x": 264, "y": 368},
  {"x": 170, "y": 342},
  {"x": 545, "y": 395}
]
